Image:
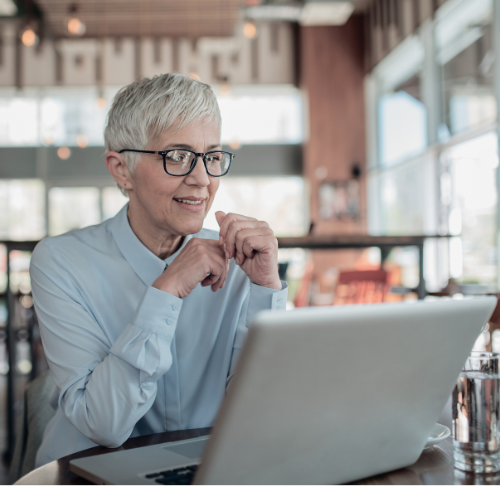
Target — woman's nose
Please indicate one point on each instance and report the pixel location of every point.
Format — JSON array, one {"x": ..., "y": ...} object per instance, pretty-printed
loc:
[{"x": 199, "y": 173}]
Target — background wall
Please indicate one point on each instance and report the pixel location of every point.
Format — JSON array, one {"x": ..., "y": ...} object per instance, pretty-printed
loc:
[{"x": 332, "y": 72}]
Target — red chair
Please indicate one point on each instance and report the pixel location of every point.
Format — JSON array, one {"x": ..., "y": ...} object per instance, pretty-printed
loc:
[
  {"x": 302, "y": 296},
  {"x": 361, "y": 287}
]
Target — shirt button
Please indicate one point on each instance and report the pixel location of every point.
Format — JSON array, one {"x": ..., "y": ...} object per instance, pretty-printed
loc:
[
  {"x": 175, "y": 307},
  {"x": 170, "y": 321},
  {"x": 279, "y": 300}
]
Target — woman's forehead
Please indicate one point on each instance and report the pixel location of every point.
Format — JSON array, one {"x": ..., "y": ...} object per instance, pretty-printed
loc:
[{"x": 203, "y": 133}]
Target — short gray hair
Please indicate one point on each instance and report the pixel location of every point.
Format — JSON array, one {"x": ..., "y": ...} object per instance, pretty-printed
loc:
[{"x": 145, "y": 109}]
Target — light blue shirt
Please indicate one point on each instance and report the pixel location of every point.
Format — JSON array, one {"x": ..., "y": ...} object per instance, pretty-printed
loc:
[{"x": 128, "y": 359}]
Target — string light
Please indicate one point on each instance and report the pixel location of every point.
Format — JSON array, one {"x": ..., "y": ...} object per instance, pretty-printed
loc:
[
  {"x": 194, "y": 76},
  {"x": 76, "y": 27},
  {"x": 250, "y": 30},
  {"x": 82, "y": 141},
  {"x": 225, "y": 89},
  {"x": 29, "y": 37},
  {"x": 101, "y": 102},
  {"x": 64, "y": 153}
]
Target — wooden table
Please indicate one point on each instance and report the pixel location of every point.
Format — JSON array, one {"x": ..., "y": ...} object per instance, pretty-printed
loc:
[
  {"x": 434, "y": 467},
  {"x": 385, "y": 243}
]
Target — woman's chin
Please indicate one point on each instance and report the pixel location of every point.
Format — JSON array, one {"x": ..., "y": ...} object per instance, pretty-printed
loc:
[{"x": 191, "y": 227}]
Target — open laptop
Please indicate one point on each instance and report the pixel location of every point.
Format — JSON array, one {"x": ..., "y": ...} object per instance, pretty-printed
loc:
[{"x": 320, "y": 396}]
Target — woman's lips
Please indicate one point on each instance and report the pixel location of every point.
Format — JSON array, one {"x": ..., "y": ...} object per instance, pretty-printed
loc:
[{"x": 191, "y": 204}]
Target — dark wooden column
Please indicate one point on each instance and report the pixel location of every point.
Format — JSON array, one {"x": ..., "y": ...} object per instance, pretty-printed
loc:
[{"x": 332, "y": 72}]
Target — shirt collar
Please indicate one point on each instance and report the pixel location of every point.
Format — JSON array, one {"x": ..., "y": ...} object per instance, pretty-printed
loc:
[{"x": 145, "y": 263}]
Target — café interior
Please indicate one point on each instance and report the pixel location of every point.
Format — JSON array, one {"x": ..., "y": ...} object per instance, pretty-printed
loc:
[{"x": 365, "y": 132}]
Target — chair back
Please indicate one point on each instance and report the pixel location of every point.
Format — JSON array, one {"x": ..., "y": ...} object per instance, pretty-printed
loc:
[
  {"x": 35, "y": 415},
  {"x": 302, "y": 296},
  {"x": 361, "y": 287}
]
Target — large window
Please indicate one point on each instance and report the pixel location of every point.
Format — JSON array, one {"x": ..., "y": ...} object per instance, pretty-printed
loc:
[
  {"x": 433, "y": 146},
  {"x": 66, "y": 116},
  {"x": 280, "y": 201},
  {"x": 53, "y": 116},
  {"x": 473, "y": 210},
  {"x": 464, "y": 38},
  {"x": 402, "y": 123},
  {"x": 263, "y": 115},
  {"x": 73, "y": 208},
  {"x": 22, "y": 210}
]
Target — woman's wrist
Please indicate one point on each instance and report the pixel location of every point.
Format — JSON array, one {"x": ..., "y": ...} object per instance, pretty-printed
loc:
[
  {"x": 166, "y": 285},
  {"x": 275, "y": 284}
]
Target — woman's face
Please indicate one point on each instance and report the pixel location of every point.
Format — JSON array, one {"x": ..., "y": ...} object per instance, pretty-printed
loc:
[{"x": 158, "y": 196}]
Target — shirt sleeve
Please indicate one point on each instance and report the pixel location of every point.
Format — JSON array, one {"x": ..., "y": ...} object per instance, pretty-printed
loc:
[
  {"x": 258, "y": 299},
  {"x": 104, "y": 387}
]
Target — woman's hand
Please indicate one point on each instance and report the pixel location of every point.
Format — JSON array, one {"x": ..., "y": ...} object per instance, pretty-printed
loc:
[
  {"x": 253, "y": 245},
  {"x": 200, "y": 261}
]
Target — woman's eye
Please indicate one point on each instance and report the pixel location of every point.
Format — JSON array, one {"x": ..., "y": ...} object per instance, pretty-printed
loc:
[{"x": 179, "y": 157}]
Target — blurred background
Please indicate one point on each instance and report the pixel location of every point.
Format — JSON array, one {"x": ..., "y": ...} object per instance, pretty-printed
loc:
[{"x": 350, "y": 121}]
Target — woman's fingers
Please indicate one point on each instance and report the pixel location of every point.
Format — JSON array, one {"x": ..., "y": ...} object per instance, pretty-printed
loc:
[
  {"x": 210, "y": 280},
  {"x": 249, "y": 241},
  {"x": 200, "y": 261},
  {"x": 221, "y": 281},
  {"x": 234, "y": 230},
  {"x": 227, "y": 225}
]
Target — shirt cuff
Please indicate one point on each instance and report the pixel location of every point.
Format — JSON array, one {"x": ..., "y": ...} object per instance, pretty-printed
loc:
[
  {"x": 158, "y": 311},
  {"x": 262, "y": 298}
]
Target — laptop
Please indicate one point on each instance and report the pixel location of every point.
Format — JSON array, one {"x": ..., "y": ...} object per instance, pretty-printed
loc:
[{"x": 323, "y": 395}]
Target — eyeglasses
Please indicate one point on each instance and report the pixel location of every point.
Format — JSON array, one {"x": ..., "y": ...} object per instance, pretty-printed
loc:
[{"x": 180, "y": 162}]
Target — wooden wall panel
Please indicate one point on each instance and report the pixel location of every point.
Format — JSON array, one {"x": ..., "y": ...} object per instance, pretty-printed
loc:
[{"x": 332, "y": 74}]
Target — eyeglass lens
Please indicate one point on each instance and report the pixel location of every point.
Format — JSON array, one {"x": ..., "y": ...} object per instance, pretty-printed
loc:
[{"x": 179, "y": 162}]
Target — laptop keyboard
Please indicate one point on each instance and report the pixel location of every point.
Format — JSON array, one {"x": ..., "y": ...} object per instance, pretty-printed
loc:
[{"x": 180, "y": 476}]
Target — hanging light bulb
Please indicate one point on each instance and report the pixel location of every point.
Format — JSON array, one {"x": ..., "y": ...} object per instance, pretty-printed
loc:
[
  {"x": 29, "y": 37},
  {"x": 235, "y": 143},
  {"x": 76, "y": 27},
  {"x": 250, "y": 30},
  {"x": 64, "y": 152},
  {"x": 225, "y": 89},
  {"x": 82, "y": 141},
  {"x": 101, "y": 102}
]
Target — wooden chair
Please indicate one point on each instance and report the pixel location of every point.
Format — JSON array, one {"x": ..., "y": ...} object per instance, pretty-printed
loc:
[
  {"x": 361, "y": 287},
  {"x": 302, "y": 296}
]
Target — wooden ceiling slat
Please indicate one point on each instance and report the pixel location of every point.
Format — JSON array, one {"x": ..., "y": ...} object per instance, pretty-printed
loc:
[{"x": 192, "y": 18}]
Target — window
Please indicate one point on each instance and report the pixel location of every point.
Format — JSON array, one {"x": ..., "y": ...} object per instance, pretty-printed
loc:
[
  {"x": 73, "y": 208},
  {"x": 261, "y": 116},
  {"x": 473, "y": 210},
  {"x": 280, "y": 201},
  {"x": 22, "y": 209},
  {"x": 464, "y": 36},
  {"x": 112, "y": 202},
  {"x": 68, "y": 116},
  {"x": 406, "y": 198},
  {"x": 402, "y": 123},
  {"x": 401, "y": 113}
]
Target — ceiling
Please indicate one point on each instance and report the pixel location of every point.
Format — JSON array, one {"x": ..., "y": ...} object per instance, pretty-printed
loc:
[
  {"x": 171, "y": 18},
  {"x": 116, "y": 18}
]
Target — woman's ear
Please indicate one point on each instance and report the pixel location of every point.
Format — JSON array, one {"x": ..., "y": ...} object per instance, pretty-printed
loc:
[{"x": 117, "y": 166}]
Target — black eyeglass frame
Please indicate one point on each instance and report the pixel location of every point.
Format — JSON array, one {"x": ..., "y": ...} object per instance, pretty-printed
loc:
[{"x": 193, "y": 162}]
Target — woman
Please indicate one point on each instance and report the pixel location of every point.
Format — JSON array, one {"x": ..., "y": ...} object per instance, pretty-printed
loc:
[{"x": 142, "y": 317}]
